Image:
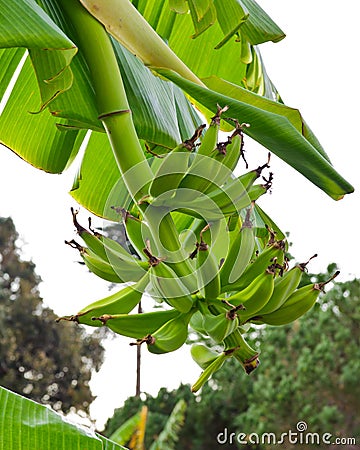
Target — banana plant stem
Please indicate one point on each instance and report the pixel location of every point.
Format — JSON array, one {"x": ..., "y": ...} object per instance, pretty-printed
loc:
[
  {"x": 115, "y": 114},
  {"x": 111, "y": 99}
]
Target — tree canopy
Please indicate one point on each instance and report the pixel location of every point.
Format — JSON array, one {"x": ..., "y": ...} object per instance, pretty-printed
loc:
[{"x": 39, "y": 359}]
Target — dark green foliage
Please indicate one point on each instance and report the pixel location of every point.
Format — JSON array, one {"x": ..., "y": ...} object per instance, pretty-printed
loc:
[{"x": 48, "y": 362}]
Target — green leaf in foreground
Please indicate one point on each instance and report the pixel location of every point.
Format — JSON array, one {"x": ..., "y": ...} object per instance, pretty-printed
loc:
[{"x": 25, "y": 424}]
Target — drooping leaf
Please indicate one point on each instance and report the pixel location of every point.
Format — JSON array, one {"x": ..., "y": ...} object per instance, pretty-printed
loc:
[
  {"x": 259, "y": 28},
  {"x": 275, "y": 132},
  {"x": 25, "y": 424},
  {"x": 230, "y": 18},
  {"x": 203, "y": 14},
  {"x": 179, "y": 6},
  {"x": 35, "y": 137},
  {"x": 292, "y": 114},
  {"x": 76, "y": 108},
  {"x": 10, "y": 59},
  {"x": 50, "y": 49}
]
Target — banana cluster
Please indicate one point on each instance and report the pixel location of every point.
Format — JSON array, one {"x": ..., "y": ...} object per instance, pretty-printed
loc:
[{"x": 226, "y": 272}]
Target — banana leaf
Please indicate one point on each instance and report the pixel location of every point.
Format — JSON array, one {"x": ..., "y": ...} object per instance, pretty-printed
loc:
[
  {"x": 51, "y": 141},
  {"x": 204, "y": 50},
  {"x": 123, "y": 434},
  {"x": 169, "y": 436},
  {"x": 25, "y": 424},
  {"x": 284, "y": 134}
]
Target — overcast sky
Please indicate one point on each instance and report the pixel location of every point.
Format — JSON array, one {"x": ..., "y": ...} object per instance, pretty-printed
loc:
[{"x": 316, "y": 70}]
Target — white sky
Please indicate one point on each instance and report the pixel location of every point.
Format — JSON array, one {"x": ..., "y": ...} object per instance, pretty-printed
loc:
[{"x": 316, "y": 70}]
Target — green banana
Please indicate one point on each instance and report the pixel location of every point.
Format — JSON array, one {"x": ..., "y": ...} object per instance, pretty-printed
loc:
[
  {"x": 296, "y": 305},
  {"x": 207, "y": 269},
  {"x": 197, "y": 322},
  {"x": 284, "y": 286},
  {"x": 208, "y": 173},
  {"x": 137, "y": 325},
  {"x": 170, "y": 336},
  {"x": 188, "y": 236},
  {"x": 198, "y": 178},
  {"x": 169, "y": 245},
  {"x": 120, "y": 272},
  {"x": 230, "y": 151},
  {"x": 274, "y": 252},
  {"x": 240, "y": 253},
  {"x": 223, "y": 201},
  {"x": 220, "y": 325},
  {"x": 236, "y": 188},
  {"x": 257, "y": 190},
  {"x": 121, "y": 302},
  {"x": 233, "y": 225},
  {"x": 254, "y": 296},
  {"x": 236, "y": 346},
  {"x": 170, "y": 172},
  {"x": 263, "y": 218},
  {"x": 209, "y": 370},
  {"x": 249, "y": 178},
  {"x": 202, "y": 355},
  {"x": 167, "y": 286},
  {"x": 138, "y": 233},
  {"x": 102, "y": 246}
]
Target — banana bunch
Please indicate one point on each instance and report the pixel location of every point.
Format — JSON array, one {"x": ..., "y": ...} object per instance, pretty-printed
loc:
[{"x": 202, "y": 248}]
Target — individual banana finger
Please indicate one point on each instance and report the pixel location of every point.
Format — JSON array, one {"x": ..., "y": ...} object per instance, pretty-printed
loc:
[
  {"x": 137, "y": 325},
  {"x": 170, "y": 173},
  {"x": 202, "y": 355},
  {"x": 254, "y": 296},
  {"x": 301, "y": 301},
  {"x": 102, "y": 246},
  {"x": 273, "y": 254},
  {"x": 220, "y": 326},
  {"x": 207, "y": 269},
  {"x": 236, "y": 346},
  {"x": 138, "y": 233},
  {"x": 240, "y": 252},
  {"x": 124, "y": 272},
  {"x": 167, "y": 286},
  {"x": 169, "y": 337},
  {"x": 284, "y": 286},
  {"x": 209, "y": 370},
  {"x": 121, "y": 302},
  {"x": 203, "y": 169}
]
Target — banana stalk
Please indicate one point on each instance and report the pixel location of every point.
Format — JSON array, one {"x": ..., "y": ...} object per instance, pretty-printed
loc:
[{"x": 115, "y": 114}]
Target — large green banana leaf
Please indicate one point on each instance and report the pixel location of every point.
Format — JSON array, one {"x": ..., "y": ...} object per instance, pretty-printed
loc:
[
  {"x": 239, "y": 23},
  {"x": 277, "y": 127},
  {"x": 50, "y": 141},
  {"x": 57, "y": 81},
  {"x": 25, "y": 424}
]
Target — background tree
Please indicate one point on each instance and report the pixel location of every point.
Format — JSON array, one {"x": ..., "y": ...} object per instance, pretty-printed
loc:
[
  {"x": 39, "y": 359},
  {"x": 311, "y": 370},
  {"x": 310, "y": 373}
]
